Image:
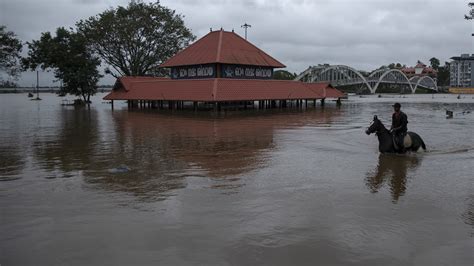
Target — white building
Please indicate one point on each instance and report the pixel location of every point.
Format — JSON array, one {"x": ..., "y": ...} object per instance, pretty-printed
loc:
[{"x": 461, "y": 74}]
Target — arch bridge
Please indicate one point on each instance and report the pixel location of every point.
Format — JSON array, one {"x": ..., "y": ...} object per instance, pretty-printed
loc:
[{"x": 341, "y": 75}]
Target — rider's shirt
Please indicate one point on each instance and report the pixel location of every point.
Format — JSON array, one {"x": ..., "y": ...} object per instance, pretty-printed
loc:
[{"x": 400, "y": 119}]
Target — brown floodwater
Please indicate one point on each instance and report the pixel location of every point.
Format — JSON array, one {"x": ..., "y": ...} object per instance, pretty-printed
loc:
[{"x": 95, "y": 186}]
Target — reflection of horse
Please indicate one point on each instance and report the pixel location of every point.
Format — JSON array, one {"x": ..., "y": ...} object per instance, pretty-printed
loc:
[
  {"x": 386, "y": 141},
  {"x": 392, "y": 168}
]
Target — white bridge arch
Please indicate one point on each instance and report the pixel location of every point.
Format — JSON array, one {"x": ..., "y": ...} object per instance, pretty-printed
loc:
[{"x": 342, "y": 75}]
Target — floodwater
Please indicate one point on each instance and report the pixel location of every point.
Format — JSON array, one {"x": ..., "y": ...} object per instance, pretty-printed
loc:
[{"x": 92, "y": 186}]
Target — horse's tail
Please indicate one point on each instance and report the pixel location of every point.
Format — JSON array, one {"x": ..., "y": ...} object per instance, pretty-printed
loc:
[
  {"x": 417, "y": 138},
  {"x": 423, "y": 144}
]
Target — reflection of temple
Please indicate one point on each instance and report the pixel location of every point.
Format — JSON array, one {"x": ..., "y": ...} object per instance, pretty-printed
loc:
[
  {"x": 220, "y": 69},
  {"x": 159, "y": 151},
  {"x": 392, "y": 169},
  {"x": 219, "y": 146}
]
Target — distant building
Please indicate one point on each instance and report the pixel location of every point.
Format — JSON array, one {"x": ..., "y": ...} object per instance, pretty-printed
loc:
[
  {"x": 420, "y": 70},
  {"x": 461, "y": 74}
]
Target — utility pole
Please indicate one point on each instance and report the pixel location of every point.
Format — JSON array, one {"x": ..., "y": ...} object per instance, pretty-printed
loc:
[
  {"x": 37, "y": 87},
  {"x": 37, "y": 84},
  {"x": 246, "y": 26}
]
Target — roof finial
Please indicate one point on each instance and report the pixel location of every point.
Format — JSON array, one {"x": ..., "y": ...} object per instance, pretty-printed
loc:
[
  {"x": 232, "y": 29},
  {"x": 211, "y": 29},
  {"x": 222, "y": 29}
]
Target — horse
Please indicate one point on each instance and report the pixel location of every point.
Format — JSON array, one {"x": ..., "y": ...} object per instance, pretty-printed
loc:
[{"x": 412, "y": 141}]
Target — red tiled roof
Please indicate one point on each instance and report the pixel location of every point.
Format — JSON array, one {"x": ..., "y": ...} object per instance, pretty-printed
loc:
[
  {"x": 411, "y": 70},
  {"x": 211, "y": 90},
  {"x": 163, "y": 89},
  {"x": 128, "y": 80},
  {"x": 332, "y": 92},
  {"x": 222, "y": 47}
]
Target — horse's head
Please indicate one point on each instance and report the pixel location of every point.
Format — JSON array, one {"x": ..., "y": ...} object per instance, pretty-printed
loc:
[{"x": 376, "y": 126}]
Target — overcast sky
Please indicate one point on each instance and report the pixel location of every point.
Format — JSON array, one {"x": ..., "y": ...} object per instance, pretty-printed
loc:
[{"x": 364, "y": 34}]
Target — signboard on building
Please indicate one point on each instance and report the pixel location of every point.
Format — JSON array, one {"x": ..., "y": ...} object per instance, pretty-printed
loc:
[
  {"x": 194, "y": 72},
  {"x": 246, "y": 72},
  {"x": 226, "y": 71}
]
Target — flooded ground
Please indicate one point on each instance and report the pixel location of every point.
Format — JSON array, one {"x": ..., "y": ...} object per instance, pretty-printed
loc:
[{"x": 92, "y": 186}]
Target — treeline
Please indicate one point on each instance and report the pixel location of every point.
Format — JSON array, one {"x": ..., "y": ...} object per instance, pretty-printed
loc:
[{"x": 130, "y": 40}]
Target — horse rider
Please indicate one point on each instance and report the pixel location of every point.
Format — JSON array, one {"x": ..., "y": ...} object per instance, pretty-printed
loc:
[{"x": 399, "y": 126}]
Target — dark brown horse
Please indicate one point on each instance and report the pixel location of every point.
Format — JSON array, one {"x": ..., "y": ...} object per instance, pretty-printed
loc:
[{"x": 386, "y": 143}]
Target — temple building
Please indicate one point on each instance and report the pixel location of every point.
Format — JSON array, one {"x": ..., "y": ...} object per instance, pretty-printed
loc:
[
  {"x": 420, "y": 69},
  {"x": 219, "y": 69}
]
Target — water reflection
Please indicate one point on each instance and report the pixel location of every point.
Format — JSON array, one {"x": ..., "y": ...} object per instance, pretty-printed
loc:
[
  {"x": 11, "y": 162},
  {"x": 150, "y": 155},
  {"x": 394, "y": 170},
  {"x": 220, "y": 146},
  {"x": 162, "y": 150},
  {"x": 71, "y": 149},
  {"x": 85, "y": 146},
  {"x": 468, "y": 215}
]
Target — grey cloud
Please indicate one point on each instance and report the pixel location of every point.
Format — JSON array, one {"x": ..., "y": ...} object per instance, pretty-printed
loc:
[{"x": 362, "y": 34}]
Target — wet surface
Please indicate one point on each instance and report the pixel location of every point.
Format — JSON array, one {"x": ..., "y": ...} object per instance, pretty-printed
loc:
[{"x": 95, "y": 186}]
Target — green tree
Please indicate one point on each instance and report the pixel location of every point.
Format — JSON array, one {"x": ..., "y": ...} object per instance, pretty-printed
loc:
[
  {"x": 69, "y": 57},
  {"x": 434, "y": 63},
  {"x": 471, "y": 12},
  {"x": 283, "y": 75},
  {"x": 136, "y": 39},
  {"x": 10, "y": 49},
  {"x": 444, "y": 75},
  {"x": 393, "y": 66}
]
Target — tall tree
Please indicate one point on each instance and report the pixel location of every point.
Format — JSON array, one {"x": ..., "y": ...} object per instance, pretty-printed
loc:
[
  {"x": 434, "y": 62},
  {"x": 134, "y": 40},
  {"x": 69, "y": 57},
  {"x": 10, "y": 49},
  {"x": 444, "y": 75},
  {"x": 471, "y": 12}
]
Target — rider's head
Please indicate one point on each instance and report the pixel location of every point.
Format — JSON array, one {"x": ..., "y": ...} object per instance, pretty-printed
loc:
[{"x": 396, "y": 107}]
